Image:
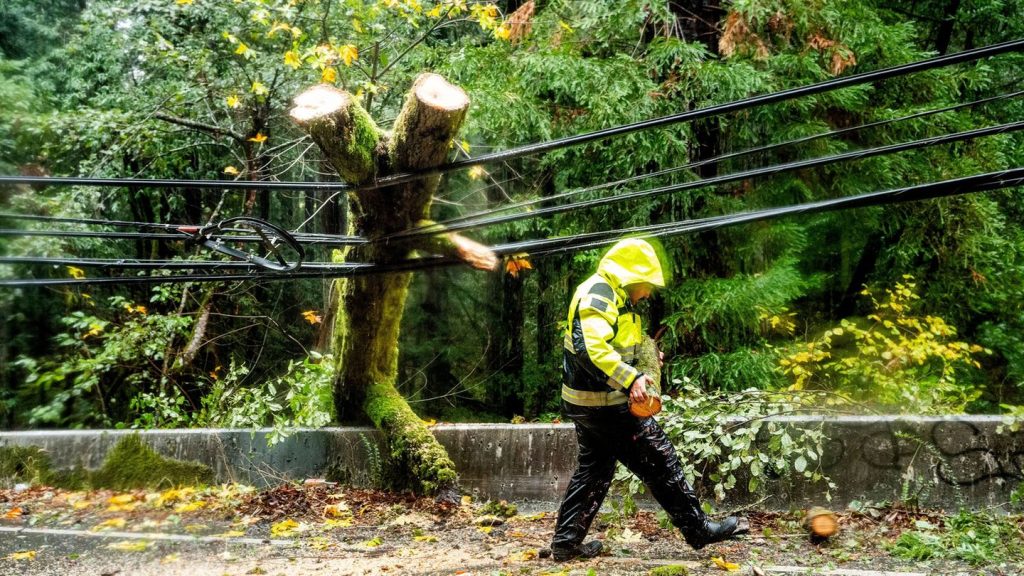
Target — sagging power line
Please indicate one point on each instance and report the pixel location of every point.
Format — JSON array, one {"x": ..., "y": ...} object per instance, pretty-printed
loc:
[
  {"x": 349, "y": 240},
  {"x": 539, "y": 248},
  {"x": 717, "y": 159},
  {"x": 726, "y": 178},
  {"x": 277, "y": 237}
]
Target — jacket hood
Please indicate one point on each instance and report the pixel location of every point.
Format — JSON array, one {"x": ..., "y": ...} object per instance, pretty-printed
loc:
[{"x": 632, "y": 261}]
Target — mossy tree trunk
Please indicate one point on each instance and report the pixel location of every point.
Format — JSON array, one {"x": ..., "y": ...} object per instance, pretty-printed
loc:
[{"x": 370, "y": 311}]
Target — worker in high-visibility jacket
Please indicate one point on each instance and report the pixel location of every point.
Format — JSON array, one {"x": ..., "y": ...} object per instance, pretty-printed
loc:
[{"x": 602, "y": 341}]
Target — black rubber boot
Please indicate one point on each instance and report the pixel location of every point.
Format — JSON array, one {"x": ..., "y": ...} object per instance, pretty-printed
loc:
[
  {"x": 713, "y": 532},
  {"x": 587, "y": 550}
]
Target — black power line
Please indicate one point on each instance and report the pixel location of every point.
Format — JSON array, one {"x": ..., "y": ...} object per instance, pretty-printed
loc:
[
  {"x": 332, "y": 240},
  {"x": 540, "y": 147},
  {"x": 341, "y": 240},
  {"x": 539, "y": 248},
  {"x": 971, "y": 184},
  {"x": 304, "y": 239},
  {"x": 725, "y": 178},
  {"x": 714, "y": 160}
]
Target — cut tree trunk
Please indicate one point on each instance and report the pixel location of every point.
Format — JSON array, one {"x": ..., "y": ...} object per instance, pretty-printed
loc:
[{"x": 369, "y": 316}]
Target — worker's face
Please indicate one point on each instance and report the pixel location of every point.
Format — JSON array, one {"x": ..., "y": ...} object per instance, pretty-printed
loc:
[{"x": 638, "y": 292}]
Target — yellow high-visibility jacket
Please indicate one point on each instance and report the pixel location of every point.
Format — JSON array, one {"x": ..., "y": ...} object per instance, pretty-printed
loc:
[{"x": 603, "y": 334}]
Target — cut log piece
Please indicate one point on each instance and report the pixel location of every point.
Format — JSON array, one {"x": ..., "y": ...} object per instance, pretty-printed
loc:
[
  {"x": 649, "y": 362},
  {"x": 821, "y": 522}
]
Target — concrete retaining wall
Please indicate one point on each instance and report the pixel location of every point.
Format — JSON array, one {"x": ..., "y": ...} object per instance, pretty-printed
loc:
[{"x": 945, "y": 462}]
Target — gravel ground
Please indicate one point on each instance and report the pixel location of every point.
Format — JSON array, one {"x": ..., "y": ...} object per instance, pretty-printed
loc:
[{"x": 320, "y": 529}]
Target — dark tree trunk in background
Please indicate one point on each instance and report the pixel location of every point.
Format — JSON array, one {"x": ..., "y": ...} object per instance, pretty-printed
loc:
[
  {"x": 552, "y": 300},
  {"x": 508, "y": 361},
  {"x": 699, "y": 22},
  {"x": 945, "y": 32},
  {"x": 438, "y": 374},
  {"x": 506, "y": 352}
]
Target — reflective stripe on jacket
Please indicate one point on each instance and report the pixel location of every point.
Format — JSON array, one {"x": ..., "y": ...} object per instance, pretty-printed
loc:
[{"x": 603, "y": 334}]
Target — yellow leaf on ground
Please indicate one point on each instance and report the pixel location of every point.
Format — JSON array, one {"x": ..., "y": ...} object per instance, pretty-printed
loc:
[
  {"x": 373, "y": 543},
  {"x": 131, "y": 546},
  {"x": 81, "y": 504},
  {"x": 170, "y": 558},
  {"x": 341, "y": 523},
  {"x": 321, "y": 543},
  {"x": 534, "y": 517},
  {"x": 467, "y": 500},
  {"x": 23, "y": 555},
  {"x": 190, "y": 506},
  {"x": 338, "y": 510},
  {"x": 130, "y": 507},
  {"x": 727, "y": 566},
  {"x": 195, "y": 528},
  {"x": 121, "y": 499},
  {"x": 110, "y": 524},
  {"x": 485, "y": 529},
  {"x": 13, "y": 513},
  {"x": 528, "y": 555},
  {"x": 231, "y": 534},
  {"x": 285, "y": 528},
  {"x": 425, "y": 538}
]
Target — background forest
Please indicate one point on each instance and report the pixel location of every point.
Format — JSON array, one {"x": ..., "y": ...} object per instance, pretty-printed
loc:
[{"x": 913, "y": 308}]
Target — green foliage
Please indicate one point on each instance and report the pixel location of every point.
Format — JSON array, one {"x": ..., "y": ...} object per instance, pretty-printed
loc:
[
  {"x": 732, "y": 371},
  {"x": 24, "y": 464},
  {"x": 722, "y": 438},
  {"x": 301, "y": 397},
  {"x": 100, "y": 89},
  {"x": 978, "y": 538},
  {"x": 32, "y": 27},
  {"x": 670, "y": 570},
  {"x": 101, "y": 360},
  {"x": 893, "y": 358}
]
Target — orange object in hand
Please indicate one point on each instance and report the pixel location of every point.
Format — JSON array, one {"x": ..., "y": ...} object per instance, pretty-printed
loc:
[{"x": 649, "y": 407}]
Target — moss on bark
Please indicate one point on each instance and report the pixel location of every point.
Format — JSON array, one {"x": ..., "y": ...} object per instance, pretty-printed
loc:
[
  {"x": 369, "y": 315},
  {"x": 648, "y": 361}
]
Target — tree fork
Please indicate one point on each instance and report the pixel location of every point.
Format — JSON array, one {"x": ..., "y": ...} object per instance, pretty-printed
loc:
[{"x": 370, "y": 311}]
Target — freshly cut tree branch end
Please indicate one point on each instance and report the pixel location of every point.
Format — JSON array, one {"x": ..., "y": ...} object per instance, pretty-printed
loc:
[
  {"x": 434, "y": 91},
  {"x": 318, "y": 101},
  {"x": 473, "y": 253},
  {"x": 341, "y": 128}
]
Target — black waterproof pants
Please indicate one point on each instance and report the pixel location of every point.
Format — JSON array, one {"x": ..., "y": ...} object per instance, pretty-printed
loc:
[{"x": 610, "y": 433}]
